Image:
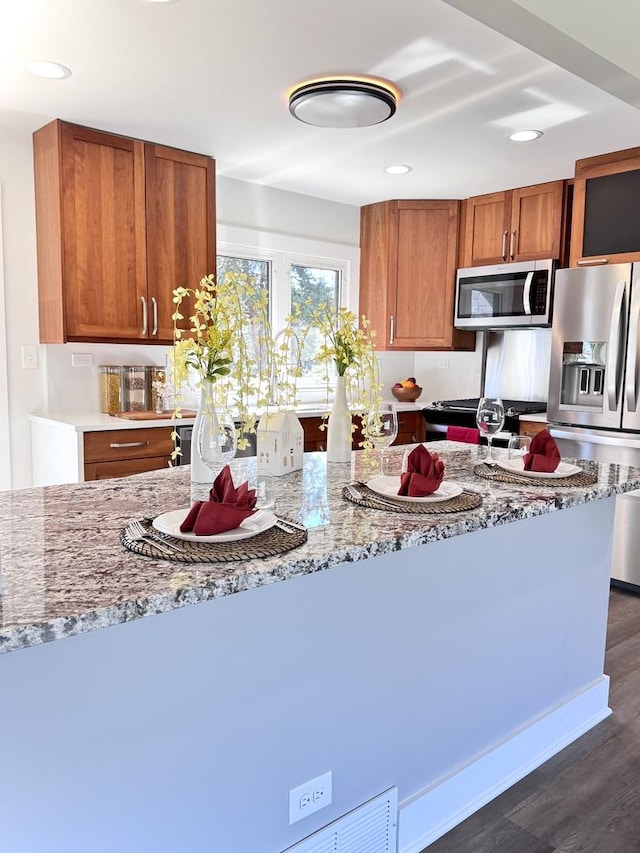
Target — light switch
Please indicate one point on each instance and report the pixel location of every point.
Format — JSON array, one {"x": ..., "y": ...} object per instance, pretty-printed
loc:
[{"x": 29, "y": 356}]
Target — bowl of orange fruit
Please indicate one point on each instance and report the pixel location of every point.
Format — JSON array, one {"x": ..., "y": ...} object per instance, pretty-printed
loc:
[{"x": 406, "y": 391}]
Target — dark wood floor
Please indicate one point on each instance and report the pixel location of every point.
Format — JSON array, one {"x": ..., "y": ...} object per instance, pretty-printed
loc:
[{"x": 586, "y": 799}]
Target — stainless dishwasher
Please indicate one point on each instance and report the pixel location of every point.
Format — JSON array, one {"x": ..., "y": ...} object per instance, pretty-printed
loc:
[{"x": 185, "y": 437}]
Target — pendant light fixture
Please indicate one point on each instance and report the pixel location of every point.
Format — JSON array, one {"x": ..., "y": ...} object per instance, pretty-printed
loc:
[{"x": 344, "y": 101}]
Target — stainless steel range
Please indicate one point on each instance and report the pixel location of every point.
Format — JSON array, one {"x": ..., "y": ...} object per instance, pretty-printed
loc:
[
  {"x": 443, "y": 413},
  {"x": 515, "y": 365}
]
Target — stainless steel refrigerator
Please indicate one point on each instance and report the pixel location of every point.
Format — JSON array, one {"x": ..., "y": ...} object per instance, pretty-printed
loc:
[{"x": 594, "y": 383}]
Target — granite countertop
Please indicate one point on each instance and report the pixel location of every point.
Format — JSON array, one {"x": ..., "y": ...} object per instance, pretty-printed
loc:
[{"x": 64, "y": 570}]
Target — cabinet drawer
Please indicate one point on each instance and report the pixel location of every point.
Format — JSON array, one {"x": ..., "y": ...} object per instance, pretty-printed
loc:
[
  {"x": 123, "y": 467},
  {"x": 411, "y": 428},
  {"x": 119, "y": 444}
]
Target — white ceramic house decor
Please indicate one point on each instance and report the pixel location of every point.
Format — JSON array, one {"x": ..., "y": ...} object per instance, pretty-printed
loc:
[{"x": 280, "y": 443}]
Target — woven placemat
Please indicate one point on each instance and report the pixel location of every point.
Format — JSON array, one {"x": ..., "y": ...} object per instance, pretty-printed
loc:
[
  {"x": 269, "y": 543},
  {"x": 499, "y": 475},
  {"x": 370, "y": 499}
]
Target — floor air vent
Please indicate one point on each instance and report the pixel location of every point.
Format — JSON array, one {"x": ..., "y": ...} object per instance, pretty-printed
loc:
[{"x": 371, "y": 828}]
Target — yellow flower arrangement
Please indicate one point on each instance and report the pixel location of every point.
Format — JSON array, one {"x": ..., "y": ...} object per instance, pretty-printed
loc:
[
  {"x": 227, "y": 343},
  {"x": 346, "y": 350},
  {"x": 346, "y": 343}
]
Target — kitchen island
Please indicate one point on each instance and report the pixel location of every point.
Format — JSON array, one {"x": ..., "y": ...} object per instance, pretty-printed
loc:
[{"x": 151, "y": 705}]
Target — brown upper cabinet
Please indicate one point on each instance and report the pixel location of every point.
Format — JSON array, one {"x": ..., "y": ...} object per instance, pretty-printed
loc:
[
  {"x": 606, "y": 209},
  {"x": 408, "y": 252},
  {"x": 523, "y": 224},
  {"x": 120, "y": 223}
]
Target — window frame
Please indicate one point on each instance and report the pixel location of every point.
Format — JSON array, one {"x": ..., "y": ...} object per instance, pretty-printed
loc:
[{"x": 284, "y": 251}]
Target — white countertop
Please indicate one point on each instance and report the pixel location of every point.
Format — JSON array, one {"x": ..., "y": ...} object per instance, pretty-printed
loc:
[
  {"x": 540, "y": 418},
  {"x": 95, "y": 421}
]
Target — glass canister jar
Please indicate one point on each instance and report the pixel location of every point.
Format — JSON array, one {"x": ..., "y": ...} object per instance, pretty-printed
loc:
[
  {"x": 110, "y": 388},
  {"x": 156, "y": 379},
  {"x": 136, "y": 392}
]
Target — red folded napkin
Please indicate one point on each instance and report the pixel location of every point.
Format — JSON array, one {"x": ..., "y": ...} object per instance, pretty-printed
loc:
[
  {"x": 226, "y": 508},
  {"x": 466, "y": 434},
  {"x": 543, "y": 454},
  {"x": 425, "y": 472}
]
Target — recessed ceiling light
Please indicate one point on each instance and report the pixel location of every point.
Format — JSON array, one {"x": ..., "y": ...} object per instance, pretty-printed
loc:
[
  {"x": 160, "y": 1},
  {"x": 343, "y": 101},
  {"x": 398, "y": 169},
  {"x": 525, "y": 135},
  {"x": 50, "y": 70}
]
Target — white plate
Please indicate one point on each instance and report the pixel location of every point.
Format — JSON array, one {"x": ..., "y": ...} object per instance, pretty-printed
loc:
[
  {"x": 516, "y": 466},
  {"x": 388, "y": 487},
  {"x": 169, "y": 522}
]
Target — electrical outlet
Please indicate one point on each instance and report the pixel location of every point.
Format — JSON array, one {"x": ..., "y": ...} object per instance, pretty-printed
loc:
[
  {"x": 29, "y": 357},
  {"x": 81, "y": 359},
  {"x": 443, "y": 364},
  {"x": 310, "y": 797}
]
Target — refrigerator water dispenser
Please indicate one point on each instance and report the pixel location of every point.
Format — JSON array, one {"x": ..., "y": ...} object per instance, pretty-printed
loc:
[{"x": 583, "y": 373}]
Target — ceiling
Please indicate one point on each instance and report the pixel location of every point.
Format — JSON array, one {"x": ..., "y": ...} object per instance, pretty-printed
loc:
[{"x": 213, "y": 76}]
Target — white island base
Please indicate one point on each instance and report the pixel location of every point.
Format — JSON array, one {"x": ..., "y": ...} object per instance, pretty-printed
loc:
[{"x": 449, "y": 670}]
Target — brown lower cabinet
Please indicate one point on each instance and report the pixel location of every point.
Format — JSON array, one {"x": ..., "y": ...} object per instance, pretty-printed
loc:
[
  {"x": 120, "y": 452},
  {"x": 411, "y": 429},
  {"x": 315, "y": 434}
]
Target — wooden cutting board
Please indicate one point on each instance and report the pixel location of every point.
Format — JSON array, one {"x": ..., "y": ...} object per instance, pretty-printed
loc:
[{"x": 152, "y": 416}]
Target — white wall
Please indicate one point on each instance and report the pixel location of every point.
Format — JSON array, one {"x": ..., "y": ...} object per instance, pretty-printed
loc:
[
  {"x": 5, "y": 447},
  {"x": 267, "y": 209},
  {"x": 460, "y": 379},
  {"x": 57, "y": 387},
  {"x": 26, "y": 387}
]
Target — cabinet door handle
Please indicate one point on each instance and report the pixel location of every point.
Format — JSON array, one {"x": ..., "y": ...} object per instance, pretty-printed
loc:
[
  {"x": 392, "y": 324},
  {"x": 504, "y": 245},
  {"x": 128, "y": 444},
  {"x": 154, "y": 304},
  {"x": 585, "y": 262},
  {"x": 512, "y": 245},
  {"x": 145, "y": 315}
]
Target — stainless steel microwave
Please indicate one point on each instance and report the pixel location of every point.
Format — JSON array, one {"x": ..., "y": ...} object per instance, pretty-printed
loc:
[{"x": 505, "y": 296}]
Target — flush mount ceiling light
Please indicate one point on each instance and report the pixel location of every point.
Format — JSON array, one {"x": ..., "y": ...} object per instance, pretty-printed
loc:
[
  {"x": 50, "y": 70},
  {"x": 398, "y": 169},
  {"x": 343, "y": 101},
  {"x": 525, "y": 135}
]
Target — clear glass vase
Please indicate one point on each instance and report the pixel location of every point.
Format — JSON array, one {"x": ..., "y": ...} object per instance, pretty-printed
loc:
[{"x": 213, "y": 443}]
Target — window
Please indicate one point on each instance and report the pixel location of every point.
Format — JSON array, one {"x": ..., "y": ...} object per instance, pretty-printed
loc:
[
  {"x": 257, "y": 269},
  {"x": 294, "y": 270},
  {"x": 312, "y": 287}
]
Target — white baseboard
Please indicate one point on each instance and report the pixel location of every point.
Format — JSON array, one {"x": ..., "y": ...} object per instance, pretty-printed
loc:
[{"x": 431, "y": 813}]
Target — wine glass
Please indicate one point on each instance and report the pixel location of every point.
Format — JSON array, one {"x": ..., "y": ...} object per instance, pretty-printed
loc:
[
  {"x": 382, "y": 428},
  {"x": 216, "y": 438},
  {"x": 490, "y": 420}
]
